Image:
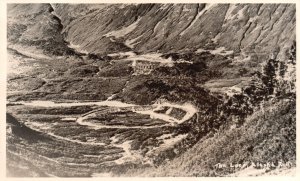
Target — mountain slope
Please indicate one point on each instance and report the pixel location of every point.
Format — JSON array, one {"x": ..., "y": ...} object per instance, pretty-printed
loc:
[
  {"x": 265, "y": 137},
  {"x": 179, "y": 27},
  {"x": 33, "y": 28}
]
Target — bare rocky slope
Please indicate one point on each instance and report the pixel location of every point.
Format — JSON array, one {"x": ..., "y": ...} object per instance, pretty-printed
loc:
[
  {"x": 165, "y": 27},
  {"x": 180, "y": 27}
]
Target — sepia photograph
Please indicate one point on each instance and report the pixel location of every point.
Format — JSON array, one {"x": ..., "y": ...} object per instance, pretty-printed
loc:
[{"x": 150, "y": 89}]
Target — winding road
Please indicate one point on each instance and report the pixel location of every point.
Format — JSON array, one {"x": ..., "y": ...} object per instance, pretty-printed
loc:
[
  {"x": 187, "y": 107},
  {"x": 115, "y": 106}
]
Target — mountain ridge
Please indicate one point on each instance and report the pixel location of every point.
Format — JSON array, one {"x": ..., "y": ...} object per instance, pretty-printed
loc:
[{"x": 185, "y": 27}]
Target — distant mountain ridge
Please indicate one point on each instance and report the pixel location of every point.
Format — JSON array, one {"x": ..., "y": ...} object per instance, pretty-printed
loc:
[
  {"x": 178, "y": 27},
  {"x": 166, "y": 28}
]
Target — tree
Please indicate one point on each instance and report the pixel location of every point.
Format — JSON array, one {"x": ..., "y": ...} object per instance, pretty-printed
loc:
[{"x": 269, "y": 76}]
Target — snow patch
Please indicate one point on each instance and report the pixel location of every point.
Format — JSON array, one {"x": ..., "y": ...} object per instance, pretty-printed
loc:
[
  {"x": 77, "y": 48},
  {"x": 151, "y": 57},
  {"x": 131, "y": 43},
  {"x": 129, "y": 53},
  {"x": 124, "y": 31},
  {"x": 30, "y": 51},
  {"x": 69, "y": 119}
]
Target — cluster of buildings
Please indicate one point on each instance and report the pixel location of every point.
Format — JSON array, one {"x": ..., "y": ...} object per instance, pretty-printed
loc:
[{"x": 144, "y": 67}]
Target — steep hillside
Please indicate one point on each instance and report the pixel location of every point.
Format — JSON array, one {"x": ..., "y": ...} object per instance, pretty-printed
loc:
[
  {"x": 180, "y": 27},
  {"x": 255, "y": 135},
  {"x": 34, "y": 31},
  {"x": 267, "y": 136}
]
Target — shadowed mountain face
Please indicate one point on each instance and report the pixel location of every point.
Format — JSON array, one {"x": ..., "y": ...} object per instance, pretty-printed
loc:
[{"x": 35, "y": 25}]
